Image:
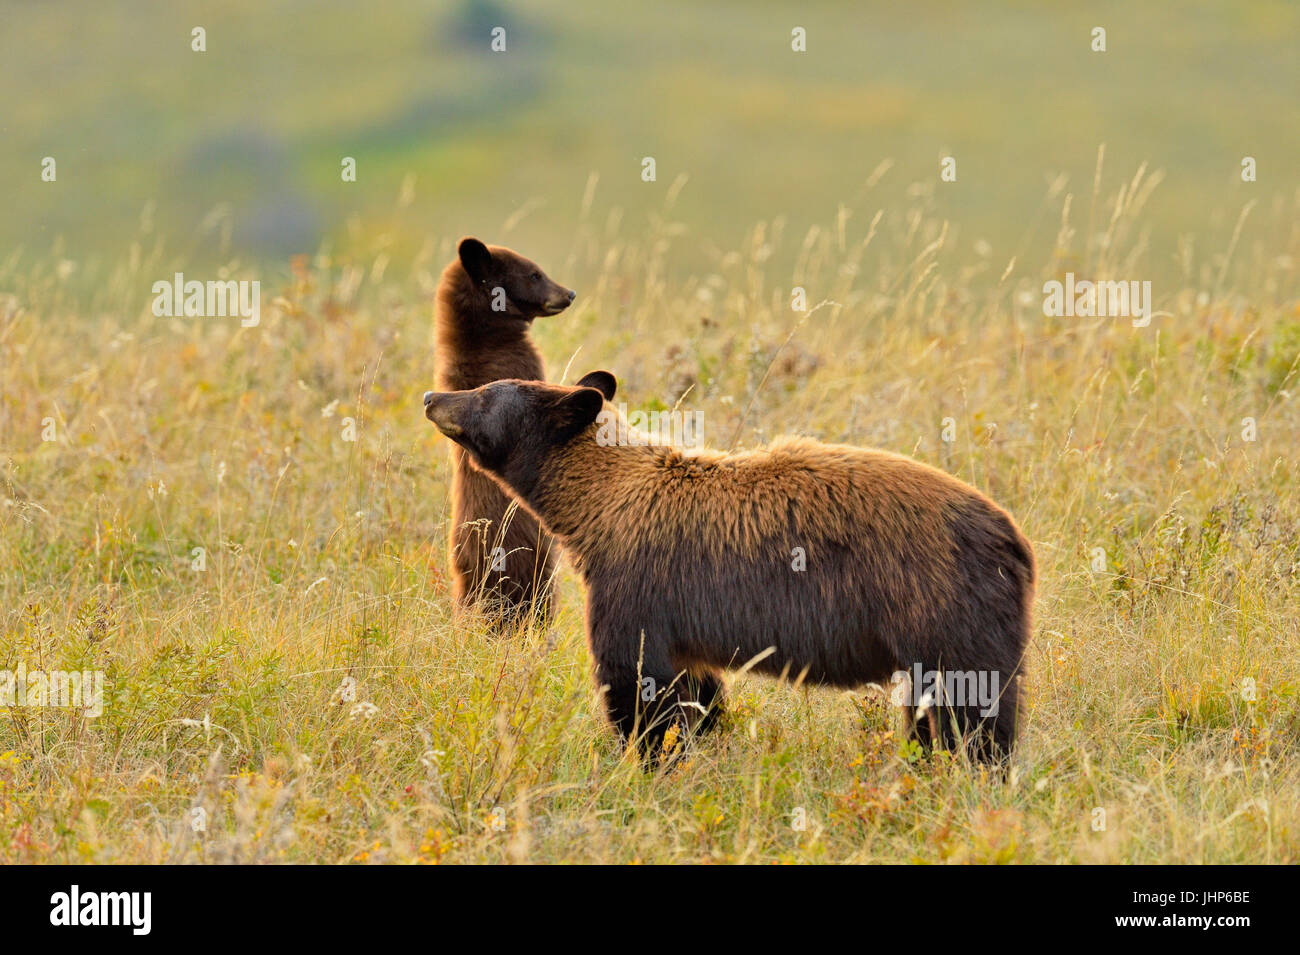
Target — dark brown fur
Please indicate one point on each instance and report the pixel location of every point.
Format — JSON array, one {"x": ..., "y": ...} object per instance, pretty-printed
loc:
[
  {"x": 477, "y": 344},
  {"x": 687, "y": 558}
]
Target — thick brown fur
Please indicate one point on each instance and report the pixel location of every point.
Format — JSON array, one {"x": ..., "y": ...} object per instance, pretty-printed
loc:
[
  {"x": 689, "y": 560},
  {"x": 502, "y": 561}
]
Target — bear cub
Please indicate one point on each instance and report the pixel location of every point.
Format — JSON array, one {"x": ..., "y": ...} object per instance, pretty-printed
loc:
[{"x": 502, "y": 561}]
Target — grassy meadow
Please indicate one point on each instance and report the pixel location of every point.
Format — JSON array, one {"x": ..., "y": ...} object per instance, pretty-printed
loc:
[
  {"x": 236, "y": 151},
  {"x": 303, "y": 682},
  {"x": 244, "y": 528}
]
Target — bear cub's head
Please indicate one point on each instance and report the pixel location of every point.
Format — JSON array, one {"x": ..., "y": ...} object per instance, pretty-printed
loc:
[
  {"x": 502, "y": 283},
  {"x": 509, "y": 427}
]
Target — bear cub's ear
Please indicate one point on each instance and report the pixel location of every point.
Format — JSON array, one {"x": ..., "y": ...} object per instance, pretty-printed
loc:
[
  {"x": 574, "y": 410},
  {"x": 602, "y": 381},
  {"x": 475, "y": 258}
]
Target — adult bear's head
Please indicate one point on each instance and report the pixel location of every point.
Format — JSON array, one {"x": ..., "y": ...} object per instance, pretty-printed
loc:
[{"x": 510, "y": 427}]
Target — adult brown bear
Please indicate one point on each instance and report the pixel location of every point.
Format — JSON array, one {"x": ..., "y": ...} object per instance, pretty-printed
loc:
[
  {"x": 502, "y": 562},
  {"x": 840, "y": 564}
]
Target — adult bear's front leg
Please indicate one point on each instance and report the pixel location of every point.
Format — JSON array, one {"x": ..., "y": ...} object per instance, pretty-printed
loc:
[{"x": 642, "y": 704}]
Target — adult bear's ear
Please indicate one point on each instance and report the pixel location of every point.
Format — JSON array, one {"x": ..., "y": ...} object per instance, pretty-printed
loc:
[
  {"x": 575, "y": 410},
  {"x": 602, "y": 381},
  {"x": 475, "y": 257}
]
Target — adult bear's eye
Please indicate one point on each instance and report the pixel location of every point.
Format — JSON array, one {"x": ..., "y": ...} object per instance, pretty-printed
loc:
[{"x": 537, "y": 276}]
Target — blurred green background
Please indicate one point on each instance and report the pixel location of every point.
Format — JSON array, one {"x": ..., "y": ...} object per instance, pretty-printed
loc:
[{"x": 235, "y": 152}]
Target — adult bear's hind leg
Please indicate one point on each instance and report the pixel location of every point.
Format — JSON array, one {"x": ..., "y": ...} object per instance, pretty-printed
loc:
[{"x": 704, "y": 699}]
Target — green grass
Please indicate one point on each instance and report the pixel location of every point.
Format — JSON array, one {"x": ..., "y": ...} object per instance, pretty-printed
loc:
[
  {"x": 325, "y": 559},
  {"x": 258, "y": 124}
]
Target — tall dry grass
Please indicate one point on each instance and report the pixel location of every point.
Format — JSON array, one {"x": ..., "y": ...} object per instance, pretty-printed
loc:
[{"x": 309, "y": 690}]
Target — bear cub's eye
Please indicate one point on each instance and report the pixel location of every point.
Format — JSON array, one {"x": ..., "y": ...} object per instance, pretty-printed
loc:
[{"x": 537, "y": 276}]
